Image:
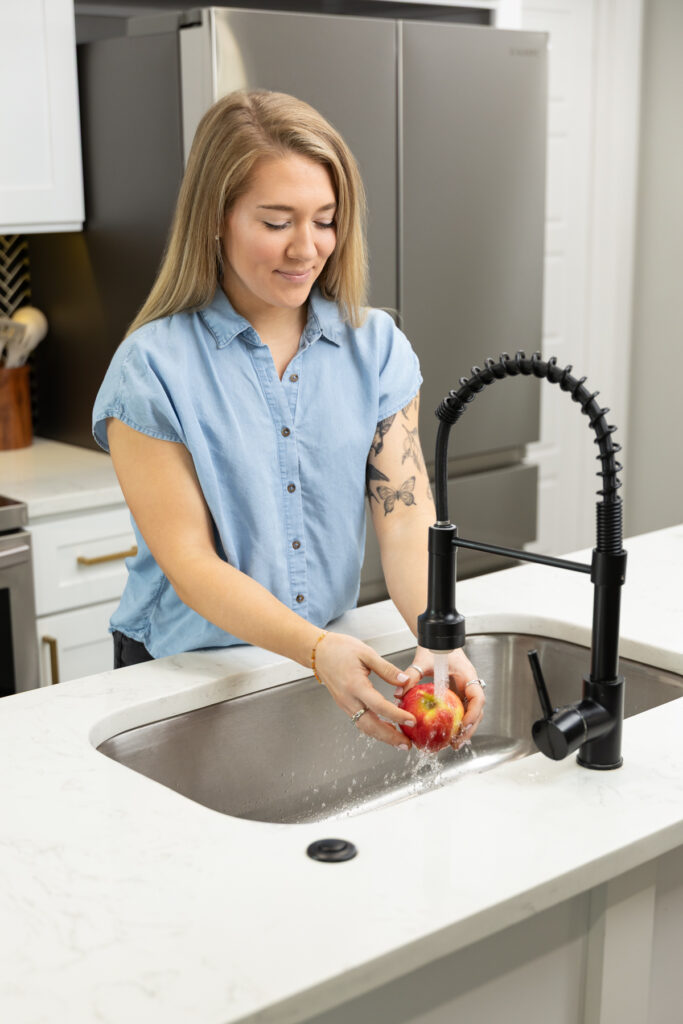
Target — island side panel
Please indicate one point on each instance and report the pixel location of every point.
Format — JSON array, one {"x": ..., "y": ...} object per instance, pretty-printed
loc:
[{"x": 609, "y": 954}]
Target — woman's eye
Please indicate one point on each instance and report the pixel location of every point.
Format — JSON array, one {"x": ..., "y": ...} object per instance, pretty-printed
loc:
[{"x": 281, "y": 227}]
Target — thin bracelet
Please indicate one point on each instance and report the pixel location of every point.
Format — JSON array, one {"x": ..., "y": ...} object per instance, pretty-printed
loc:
[{"x": 315, "y": 672}]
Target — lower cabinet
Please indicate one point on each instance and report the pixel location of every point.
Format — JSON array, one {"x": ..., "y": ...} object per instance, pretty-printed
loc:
[
  {"x": 76, "y": 643},
  {"x": 79, "y": 566},
  {"x": 610, "y": 955}
]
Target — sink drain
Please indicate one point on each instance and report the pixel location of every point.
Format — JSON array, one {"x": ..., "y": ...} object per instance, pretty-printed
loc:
[{"x": 331, "y": 850}]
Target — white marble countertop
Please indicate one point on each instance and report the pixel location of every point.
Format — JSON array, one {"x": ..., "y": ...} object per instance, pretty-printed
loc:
[
  {"x": 122, "y": 901},
  {"x": 53, "y": 478}
]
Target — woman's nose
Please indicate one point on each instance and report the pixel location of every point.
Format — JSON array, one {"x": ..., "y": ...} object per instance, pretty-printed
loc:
[{"x": 302, "y": 245}]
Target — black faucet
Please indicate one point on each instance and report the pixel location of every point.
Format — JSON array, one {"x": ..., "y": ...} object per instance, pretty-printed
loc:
[{"x": 592, "y": 725}]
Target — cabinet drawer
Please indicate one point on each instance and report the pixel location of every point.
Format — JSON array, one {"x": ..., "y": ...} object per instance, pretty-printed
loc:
[
  {"x": 81, "y": 560},
  {"x": 75, "y": 644}
]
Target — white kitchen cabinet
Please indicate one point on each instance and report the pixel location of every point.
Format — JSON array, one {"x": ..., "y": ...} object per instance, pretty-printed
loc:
[
  {"x": 75, "y": 643},
  {"x": 41, "y": 178},
  {"x": 80, "y": 559},
  {"x": 80, "y": 572}
]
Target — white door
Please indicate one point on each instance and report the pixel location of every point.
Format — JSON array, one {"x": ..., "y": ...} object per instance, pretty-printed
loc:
[{"x": 75, "y": 644}]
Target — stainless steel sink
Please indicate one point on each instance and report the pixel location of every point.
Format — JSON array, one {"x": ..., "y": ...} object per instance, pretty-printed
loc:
[{"x": 289, "y": 755}]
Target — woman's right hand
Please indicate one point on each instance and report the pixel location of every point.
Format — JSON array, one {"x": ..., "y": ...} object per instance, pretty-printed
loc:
[{"x": 344, "y": 664}]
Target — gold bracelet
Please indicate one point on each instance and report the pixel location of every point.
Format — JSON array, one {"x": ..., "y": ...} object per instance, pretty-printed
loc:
[{"x": 315, "y": 673}]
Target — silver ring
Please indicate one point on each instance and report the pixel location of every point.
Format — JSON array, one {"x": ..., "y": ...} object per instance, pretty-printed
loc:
[
  {"x": 354, "y": 718},
  {"x": 477, "y": 681},
  {"x": 417, "y": 669}
]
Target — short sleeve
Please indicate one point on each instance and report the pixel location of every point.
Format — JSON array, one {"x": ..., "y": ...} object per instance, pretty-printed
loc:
[
  {"x": 400, "y": 377},
  {"x": 136, "y": 391}
]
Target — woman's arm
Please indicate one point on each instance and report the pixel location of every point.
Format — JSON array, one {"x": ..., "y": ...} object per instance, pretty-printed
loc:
[
  {"x": 161, "y": 488},
  {"x": 402, "y": 511}
]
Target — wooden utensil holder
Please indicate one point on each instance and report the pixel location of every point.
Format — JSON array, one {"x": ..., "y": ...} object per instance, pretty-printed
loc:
[{"x": 16, "y": 429}]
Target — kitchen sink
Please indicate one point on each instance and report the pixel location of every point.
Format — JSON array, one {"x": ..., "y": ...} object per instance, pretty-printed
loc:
[{"x": 289, "y": 755}]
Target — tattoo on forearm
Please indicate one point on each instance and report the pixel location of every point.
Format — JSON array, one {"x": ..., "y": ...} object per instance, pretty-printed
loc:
[
  {"x": 405, "y": 494},
  {"x": 378, "y": 439}
]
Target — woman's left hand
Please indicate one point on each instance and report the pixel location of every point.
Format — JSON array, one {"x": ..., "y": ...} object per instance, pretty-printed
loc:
[{"x": 461, "y": 671}]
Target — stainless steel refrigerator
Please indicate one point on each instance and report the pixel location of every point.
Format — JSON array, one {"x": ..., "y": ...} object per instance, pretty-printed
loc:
[{"x": 448, "y": 123}]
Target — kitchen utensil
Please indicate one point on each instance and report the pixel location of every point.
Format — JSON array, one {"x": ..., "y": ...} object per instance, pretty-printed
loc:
[
  {"x": 35, "y": 328},
  {"x": 11, "y": 336}
]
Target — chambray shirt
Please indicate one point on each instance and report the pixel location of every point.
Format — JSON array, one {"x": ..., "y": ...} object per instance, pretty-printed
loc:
[{"x": 281, "y": 463}]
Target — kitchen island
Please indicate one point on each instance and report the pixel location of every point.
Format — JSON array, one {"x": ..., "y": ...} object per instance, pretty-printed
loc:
[{"x": 537, "y": 890}]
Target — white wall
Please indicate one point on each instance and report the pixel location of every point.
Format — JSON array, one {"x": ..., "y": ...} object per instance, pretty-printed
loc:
[{"x": 653, "y": 491}]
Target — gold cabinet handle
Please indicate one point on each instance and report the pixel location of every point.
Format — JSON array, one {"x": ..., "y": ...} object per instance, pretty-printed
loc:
[
  {"x": 51, "y": 642},
  {"x": 98, "y": 559}
]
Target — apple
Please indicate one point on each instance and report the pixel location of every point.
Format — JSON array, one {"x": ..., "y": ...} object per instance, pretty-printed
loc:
[{"x": 436, "y": 721}]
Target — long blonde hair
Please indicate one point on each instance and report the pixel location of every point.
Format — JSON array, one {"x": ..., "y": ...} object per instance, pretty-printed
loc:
[{"x": 232, "y": 135}]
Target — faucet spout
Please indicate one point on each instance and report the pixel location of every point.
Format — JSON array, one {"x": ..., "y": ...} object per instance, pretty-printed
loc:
[
  {"x": 441, "y": 627},
  {"x": 594, "y": 724}
]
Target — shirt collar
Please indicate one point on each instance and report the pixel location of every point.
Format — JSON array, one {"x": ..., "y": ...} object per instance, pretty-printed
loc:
[{"x": 225, "y": 323}]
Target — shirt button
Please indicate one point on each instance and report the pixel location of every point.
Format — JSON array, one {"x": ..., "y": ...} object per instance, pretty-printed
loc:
[
  {"x": 285, "y": 431},
  {"x": 294, "y": 377},
  {"x": 291, "y": 488},
  {"x": 300, "y": 598},
  {"x": 296, "y": 544}
]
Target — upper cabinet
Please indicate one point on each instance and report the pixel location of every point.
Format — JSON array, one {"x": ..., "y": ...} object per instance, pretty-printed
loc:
[{"x": 41, "y": 178}]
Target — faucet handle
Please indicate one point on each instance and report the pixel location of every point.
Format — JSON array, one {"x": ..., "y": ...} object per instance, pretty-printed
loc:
[
  {"x": 562, "y": 730},
  {"x": 541, "y": 688}
]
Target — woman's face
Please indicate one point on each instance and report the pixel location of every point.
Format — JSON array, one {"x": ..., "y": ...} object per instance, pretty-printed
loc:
[{"x": 279, "y": 234}]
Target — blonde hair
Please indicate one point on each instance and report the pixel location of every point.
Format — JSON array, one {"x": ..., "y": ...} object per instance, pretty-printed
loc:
[{"x": 232, "y": 135}]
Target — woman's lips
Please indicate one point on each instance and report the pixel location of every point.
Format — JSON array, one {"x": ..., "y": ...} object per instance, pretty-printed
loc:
[{"x": 295, "y": 278}]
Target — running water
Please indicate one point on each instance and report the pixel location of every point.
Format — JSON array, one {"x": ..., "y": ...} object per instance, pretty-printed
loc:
[{"x": 440, "y": 673}]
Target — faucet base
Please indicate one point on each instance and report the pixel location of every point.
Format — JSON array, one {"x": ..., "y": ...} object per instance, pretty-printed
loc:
[
  {"x": 599, "y": 767},
  {"x": 603, "y": 753}
]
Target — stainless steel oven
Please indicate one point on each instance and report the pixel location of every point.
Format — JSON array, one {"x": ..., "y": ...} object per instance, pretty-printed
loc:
[{"x": 18, "y": 642}]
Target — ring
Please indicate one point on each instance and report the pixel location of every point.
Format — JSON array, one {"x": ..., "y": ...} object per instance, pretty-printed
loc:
[
  {"x": 417, "y": 669},
  {"x": 477, "y": 681},
  {"x": 354, "y": 718}
]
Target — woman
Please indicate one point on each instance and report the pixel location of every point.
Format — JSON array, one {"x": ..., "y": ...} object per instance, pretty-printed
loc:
[{"x": 253, "y": 402}]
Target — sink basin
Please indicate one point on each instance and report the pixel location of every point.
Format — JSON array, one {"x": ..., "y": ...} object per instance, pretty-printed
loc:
[{"x": 289, "y": 755}]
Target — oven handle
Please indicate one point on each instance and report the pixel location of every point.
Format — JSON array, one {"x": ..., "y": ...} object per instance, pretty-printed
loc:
[{"x": 20, "y": 549}]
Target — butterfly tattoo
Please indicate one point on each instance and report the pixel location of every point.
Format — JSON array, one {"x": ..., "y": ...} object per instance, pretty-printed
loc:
[{"x": 405, "y": 494}]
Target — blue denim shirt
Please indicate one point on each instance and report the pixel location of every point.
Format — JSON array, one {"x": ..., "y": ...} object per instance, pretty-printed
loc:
[{"x": 281, "y": 463}]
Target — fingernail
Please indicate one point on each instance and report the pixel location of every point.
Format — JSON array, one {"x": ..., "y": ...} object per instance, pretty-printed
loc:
[
  {"x": 402, "y": 677},
  {"x": 410, "y": 722},
  {"x": 403, "y": 746}
]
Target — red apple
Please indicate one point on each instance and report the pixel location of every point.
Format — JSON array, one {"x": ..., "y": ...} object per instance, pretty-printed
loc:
[{"x": 437, "y": 721}]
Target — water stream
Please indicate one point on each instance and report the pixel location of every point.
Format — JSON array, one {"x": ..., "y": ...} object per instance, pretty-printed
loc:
[{"x": 440, "y": 673}]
